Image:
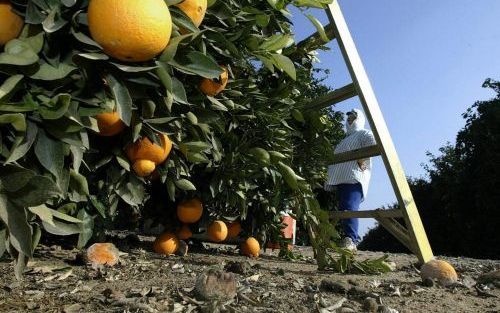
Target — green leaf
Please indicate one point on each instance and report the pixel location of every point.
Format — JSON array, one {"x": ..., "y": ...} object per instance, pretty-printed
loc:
[
  {"x": 44, "y": 213},
  {"x": 320, "y": 4},
  {"x": 192, "y": 118},
  {"x": 61, "y": 228},
  {"x": 38, "y": 190},
  {"x": 171, "y": 49},
  {"x": 184, "y": 184},
  {"x": 289, "y": 175},
  {"x": 277, "y": 42},
  {"x": 50, "y": 153},
  {"x": 56, "y": 107},
  {"x": 86, "y": 228},
  {"x": 13, "y": 178},
  {"x": 198, "y": 63},
  {"x": 19, "y": 230},
  {"x": 262, "y": 20},
  {"x": 9, "y": 85},
  {"x": 35, "y": 42},
  {"x": 49, "y": 72},
  {"x": 297, "y": 115},
  {"x": 86, "y": 40},
  {"x": 132, "y": 69},
  {"x": 17, "y": 52},
  {"x": 132, "y": 191},
  {"x": 16, "y": 119},
  {"x": 171, "y": 189},
  {"x": 319, "y": 28},
  {"x": 284, "y": 63},
  {"x": 178, "y": 91},
  {"x": 53, "y": 22},
  {"x": 78, "y": 183},
  {"x": 260, "y": 155},
  {"x": 98, "y": 206},
  {"x": 276, "y": 156},
  {"x": 122, "y": 98},
  {"x": 24, "y": 146},
  {"x": 216, "y": 104}
]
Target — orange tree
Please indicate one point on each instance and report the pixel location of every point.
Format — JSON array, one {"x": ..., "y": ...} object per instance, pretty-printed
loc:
[{"x": 100, "y": 98}]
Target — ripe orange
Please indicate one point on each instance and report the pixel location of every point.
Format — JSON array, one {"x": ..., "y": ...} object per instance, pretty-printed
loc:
[
  {"x": 10, "y": 23},
  {"x": 144, "y": 149},
  {"x": 190, "y": 211},
  {"x": 166, "y": 243},
  {"x": 184, "y": 232},
  {"x": 109, "y": 123},
  {"x": 195, "y": 9},
  {"x": 250, "y": 247},
  {"x": 217, "y": 231},
  {"x": 233, "y": 229},
  {"x": 130, "y": 30},
  {"x": 143, "y": 168},
  {"x": 102, "y": 253},
  {"x": 440, "y": 270},
  {"x": 211, "y": 87}
]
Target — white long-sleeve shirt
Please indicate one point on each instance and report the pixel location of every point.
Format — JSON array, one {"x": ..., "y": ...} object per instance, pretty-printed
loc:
[{"x": 350, "y": 172}]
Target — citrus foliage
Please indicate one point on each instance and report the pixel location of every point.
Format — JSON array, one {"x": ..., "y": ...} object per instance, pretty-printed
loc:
[{"x": 64, "y": 173}]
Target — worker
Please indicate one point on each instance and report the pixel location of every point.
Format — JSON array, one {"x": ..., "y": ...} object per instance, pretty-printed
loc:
[{"x": 351, "y": 179}]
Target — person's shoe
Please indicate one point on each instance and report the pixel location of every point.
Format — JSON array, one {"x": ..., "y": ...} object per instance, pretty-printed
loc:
[{"x": 348, "y": 244}]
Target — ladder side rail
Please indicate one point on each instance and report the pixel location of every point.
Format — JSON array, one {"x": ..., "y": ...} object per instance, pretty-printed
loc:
[{"x": 380, "y": 131}]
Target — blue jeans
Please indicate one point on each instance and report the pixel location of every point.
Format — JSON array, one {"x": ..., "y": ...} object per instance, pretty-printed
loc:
[{"x": 350, "y": 196}]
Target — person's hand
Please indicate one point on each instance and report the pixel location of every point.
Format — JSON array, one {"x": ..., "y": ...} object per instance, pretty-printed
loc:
[{"x": 362, "y": 165}]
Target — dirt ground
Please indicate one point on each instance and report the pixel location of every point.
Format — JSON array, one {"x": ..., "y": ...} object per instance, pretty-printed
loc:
[{"x": 147, "y": 282}]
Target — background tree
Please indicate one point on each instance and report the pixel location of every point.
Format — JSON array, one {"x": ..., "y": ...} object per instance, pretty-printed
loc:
[{"x": 458, "y": 203}]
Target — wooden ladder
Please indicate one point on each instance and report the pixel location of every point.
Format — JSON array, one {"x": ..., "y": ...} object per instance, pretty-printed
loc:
[{"x": 413, "y": 235}]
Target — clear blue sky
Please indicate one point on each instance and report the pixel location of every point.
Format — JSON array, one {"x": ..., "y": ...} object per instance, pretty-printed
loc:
[{"x": 426, "y": 61}]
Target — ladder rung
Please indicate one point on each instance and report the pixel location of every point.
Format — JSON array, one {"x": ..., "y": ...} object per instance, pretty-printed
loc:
[
  {"x": 336, "y": 96},
  {"x": 367, "y": 214},
  {"x": 356, "y": 154},
  {"x": 316, "y": 37}
]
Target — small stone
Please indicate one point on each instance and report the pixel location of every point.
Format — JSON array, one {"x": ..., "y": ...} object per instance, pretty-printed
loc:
[
  {"x": 183, "y": 248},
  {"x": 113, "y": 293},
  {"x": 386, "y": 309},
  {"x": 428, "y": 282},
  {"x": 358, "y": 291},
  {"x": 241, "y": 268},
  {"x": 72, "y": 308},
  {"x": 30, "y": 305},
  {"x": 490, "y": 278},
  {"x": 214, "y": 284},
  {"x": 334, "y": 286},
  {"x": 370, "y": 305}
]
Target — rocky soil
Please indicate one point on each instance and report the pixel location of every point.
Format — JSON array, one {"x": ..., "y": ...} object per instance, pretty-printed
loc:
[{"x": 56, "y": 281}]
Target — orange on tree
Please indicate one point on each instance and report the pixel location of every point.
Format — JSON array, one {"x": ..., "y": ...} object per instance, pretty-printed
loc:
[
  {"x": 250, "y": 247},
  {"x": 233, "y": 229},
  {"x": 217, "y": 231},
  {"x": 184, "y": 232},
  {"x": 144, "y": 150},
  {"x": 109, "y": 123},
  {"x": 130, "y": 30},
  {"x": 212, "y": 87},
  {"x": 10, "y": 23},
  {"x": 143, "y": 168},
  {"x": 190, "y": 211},
  {"x": 166, "y": 243},
  {"x": 195, "y": 9}
]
